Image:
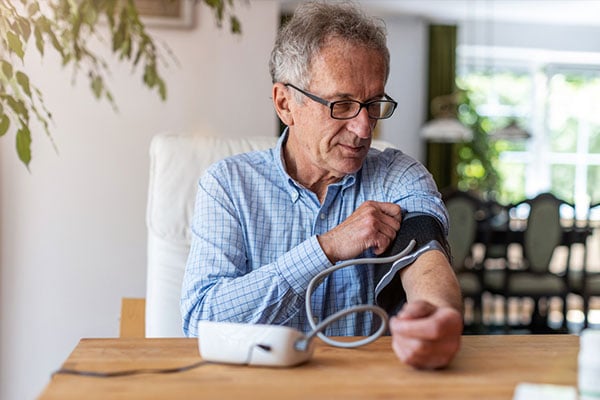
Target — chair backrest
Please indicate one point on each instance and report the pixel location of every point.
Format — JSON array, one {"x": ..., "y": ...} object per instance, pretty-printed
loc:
[
  {"x": 543, "y": 233},
  {"x": 495, "y": 219},
  {"x": 176, "y": 163},
  {"x": 462, "y": 210}
]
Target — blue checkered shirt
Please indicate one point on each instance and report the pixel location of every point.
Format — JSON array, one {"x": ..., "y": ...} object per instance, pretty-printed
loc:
[{"x": 254, "y": 240}]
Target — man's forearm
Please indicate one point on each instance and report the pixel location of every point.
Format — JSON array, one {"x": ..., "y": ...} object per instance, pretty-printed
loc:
[
  {"x": 270, "y": 294},
  {"x": 432, "y": 279}
]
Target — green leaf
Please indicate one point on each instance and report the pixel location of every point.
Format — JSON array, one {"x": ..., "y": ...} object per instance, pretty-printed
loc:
[
  {"x": 46, "y": 26},
  {"x": 138, "y": 55},
  {"x": 24, "y": 145},
  {"x": 15, "y": 45},
  {"x": 218, "y": 7},
  {"x": 150, "y": 75},
  {"x": 90, "y": 16},
  {"x": 119, "y": 37},
  {"x": 33, "y": 8},
  {"x": 39, "y": 40},
  {"x": 4, "y": 124},
  {"x": 125, "y": 49},
  {"x": 236, "y": 26},
  {"x": 97, "y": 86},
  {"x": 110, "y": 97},
  {"x": 219, "y": 12},
  {"x": 162, "y": 89},
  {"x": 7, "y": 69},
  {"x": 18, "y": 107},
  {"x": 43, "y": 23},
  {"x": 75, "y": 28},
  {"x": 24, "y": 28},
  {"x": 23, "y": 80}
]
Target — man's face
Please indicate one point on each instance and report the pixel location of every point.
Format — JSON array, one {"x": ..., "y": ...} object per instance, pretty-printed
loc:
[{"x": 322, "y": 144}]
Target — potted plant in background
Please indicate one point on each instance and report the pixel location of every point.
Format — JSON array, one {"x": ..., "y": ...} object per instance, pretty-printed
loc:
[{"x": 477, "y": 159}]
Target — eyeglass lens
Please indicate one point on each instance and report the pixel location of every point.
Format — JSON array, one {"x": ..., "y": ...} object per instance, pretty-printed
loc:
[{"x": 350, "y": 109}]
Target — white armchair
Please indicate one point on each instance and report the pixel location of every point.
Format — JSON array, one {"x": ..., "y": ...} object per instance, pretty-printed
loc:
[{"x": 176, "y": 163}]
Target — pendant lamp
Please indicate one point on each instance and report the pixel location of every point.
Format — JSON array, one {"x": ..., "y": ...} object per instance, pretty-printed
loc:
[
  {"x": 445, "y": 127},
  {"x": 512, "y": 131}
]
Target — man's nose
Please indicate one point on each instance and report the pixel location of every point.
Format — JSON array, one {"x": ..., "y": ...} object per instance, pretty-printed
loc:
[{"x": 361, "y": 125}]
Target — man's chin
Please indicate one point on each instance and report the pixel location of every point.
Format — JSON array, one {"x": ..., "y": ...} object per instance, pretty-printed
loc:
[{"x": 352, "y": 165}]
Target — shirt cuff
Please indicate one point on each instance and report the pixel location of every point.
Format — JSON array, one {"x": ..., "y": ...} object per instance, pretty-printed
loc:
[{"x": 299, "y": 265}]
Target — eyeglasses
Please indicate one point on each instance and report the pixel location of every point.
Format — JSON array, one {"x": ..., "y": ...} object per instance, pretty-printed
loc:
[{"x": 348, "y": 109}]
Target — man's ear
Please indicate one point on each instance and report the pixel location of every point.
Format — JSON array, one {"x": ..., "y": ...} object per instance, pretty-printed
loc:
[{"x": 281, "y": 101}]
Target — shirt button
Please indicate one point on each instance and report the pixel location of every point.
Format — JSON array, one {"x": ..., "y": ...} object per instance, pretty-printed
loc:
[{"x": 323, "y": 216}]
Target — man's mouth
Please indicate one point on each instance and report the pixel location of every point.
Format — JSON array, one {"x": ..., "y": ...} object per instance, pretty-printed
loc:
[{"x": 352, "y": 148}]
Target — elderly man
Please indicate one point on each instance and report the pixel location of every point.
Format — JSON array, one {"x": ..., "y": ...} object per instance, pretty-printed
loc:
[{"x": 267, "y": 222}]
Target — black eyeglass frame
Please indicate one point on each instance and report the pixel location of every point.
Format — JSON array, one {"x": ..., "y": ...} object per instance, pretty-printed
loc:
[{"x": 331, "y": 104}]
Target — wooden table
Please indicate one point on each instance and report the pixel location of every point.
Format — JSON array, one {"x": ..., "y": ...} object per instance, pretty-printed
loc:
[{"x": 487, "y": 367}]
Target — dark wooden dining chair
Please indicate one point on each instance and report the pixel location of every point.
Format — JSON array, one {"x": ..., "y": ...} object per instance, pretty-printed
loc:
[
  {"x": 462, "y": 210},
  {"x": 493, "y": 231},
  {"x": 531, "y": 276}
]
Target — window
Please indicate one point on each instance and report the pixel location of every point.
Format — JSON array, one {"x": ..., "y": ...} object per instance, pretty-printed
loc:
[{"x": 556, "y": 102}]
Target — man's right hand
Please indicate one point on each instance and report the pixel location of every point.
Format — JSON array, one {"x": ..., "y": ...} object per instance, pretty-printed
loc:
[{"x": 372, "y": 225}]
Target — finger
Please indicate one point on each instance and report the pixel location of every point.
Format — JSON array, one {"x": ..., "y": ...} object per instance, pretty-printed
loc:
[
  {"x": 432, "y": 358},
  {"x": 378, "y": 218},
  {"x": 391, "y": 209},
  {"x": 388, "y": 220},
  {"x": 390, "y": 212},
  {"x": 386, "y": 233},
  {"x": 423, "y": 328},
  {"x": 415, "y": 353},
  {"x": 444, "y": 324},
  {"x": 416, "y": 309}
]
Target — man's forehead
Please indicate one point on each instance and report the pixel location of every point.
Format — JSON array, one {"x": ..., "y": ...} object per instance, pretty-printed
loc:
[{"x": 348, "y": 71}]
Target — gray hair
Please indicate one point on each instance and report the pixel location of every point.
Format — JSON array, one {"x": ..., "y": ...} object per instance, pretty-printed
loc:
[{"x": 312, "y": 24}]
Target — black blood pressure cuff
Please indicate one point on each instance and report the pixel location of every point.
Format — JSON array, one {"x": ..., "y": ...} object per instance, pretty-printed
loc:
[{"x": 429, "y": 235}]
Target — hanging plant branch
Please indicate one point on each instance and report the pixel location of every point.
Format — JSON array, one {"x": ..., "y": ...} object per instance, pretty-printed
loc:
[
  {"x": 67, "y": 27},
  {"x": 222, "y": 8}
]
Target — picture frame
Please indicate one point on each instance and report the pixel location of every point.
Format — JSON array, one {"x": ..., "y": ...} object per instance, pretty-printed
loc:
[{"x": 167, "y": 13}]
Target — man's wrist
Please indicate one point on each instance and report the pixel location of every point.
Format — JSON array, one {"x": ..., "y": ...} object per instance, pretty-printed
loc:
[{"x": 326, "y": 248}]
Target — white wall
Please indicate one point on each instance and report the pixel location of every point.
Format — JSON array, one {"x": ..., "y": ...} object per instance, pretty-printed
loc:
[
  {"x": 72, "y": 232},
  {"x": 407, "y": 84}
]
